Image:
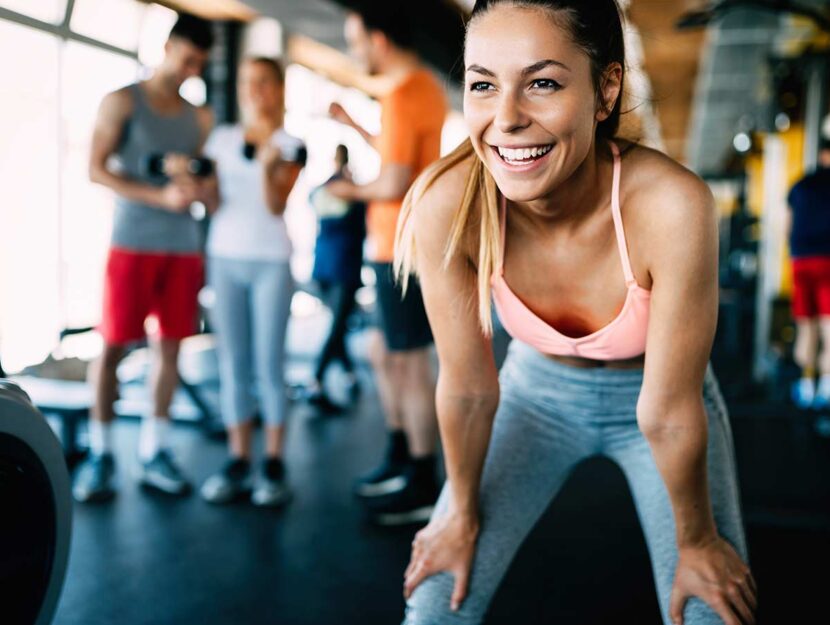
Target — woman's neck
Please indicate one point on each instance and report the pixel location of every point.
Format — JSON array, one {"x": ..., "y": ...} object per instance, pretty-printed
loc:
[
  {"x": 572, "y": 202},
  {"x": 262, "y": 125}
]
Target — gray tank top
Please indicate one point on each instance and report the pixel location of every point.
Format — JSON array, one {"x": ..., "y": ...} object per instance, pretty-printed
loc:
[{"x": 142, "y": 227}]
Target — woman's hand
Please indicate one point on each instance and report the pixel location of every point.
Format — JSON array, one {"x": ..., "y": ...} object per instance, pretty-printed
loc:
[
  {"x": 447, "y": 544},
  {"x": 715, "y": 573},
  {"x": 269, "y": 155}
]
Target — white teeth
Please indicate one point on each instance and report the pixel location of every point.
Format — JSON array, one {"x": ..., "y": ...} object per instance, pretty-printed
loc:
[{"x": 523, "y": 154}]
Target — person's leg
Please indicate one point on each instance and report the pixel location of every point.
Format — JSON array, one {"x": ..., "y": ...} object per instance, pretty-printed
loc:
[
  {"x": 805, "y": 313},
  {"x": 535, "y": 444},
  {"x": 230, "y": 316},
  {"x": 409, "y": 338},
  {"x": 128, "y": 281},
  {"x": 626, "y": 445},
  {"x": 417, "y": 388},
  {"x": 273, "y": 288},
  {"x": 337, "y": 299},
  {"x": 822, "y": 280},
  {"x": 386, "y": 380},
  {"x": 94, "y": 479}
]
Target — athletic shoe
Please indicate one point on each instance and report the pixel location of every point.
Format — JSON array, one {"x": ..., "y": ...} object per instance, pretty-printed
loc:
[
  {"x": 804, "y": 392},
  {"x": 388, "y": 478},
  {"x": 228, "y": 484},
  {"x": 353, "y": 388},
  {"x": 271, "y": 489},
  {"x": 822, "y": 398},
  {"x": 161, "y": 472},
  {"x": 413, "y": 504},
  {"x": 323, "y": 403},
  {"x": 94, "y": 480}
]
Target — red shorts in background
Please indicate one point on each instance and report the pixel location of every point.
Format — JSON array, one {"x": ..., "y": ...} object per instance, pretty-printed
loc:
[
  {"x": 811, "y": 287},
  {"x": 138, "y": 285}
]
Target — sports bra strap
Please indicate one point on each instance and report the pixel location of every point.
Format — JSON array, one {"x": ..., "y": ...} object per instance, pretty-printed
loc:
[
  {"x": 617, "y": 214},
  {"x": 503, "y": 228}
]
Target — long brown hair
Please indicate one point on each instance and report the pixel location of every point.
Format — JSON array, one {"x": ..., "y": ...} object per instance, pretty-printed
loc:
[{"x": 596, "y": 27}]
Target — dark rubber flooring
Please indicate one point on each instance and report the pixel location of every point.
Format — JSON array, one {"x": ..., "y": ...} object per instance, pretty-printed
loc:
[{"x": 150, "y": 559}]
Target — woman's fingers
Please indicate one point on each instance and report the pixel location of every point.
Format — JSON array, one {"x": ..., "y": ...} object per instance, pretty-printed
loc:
[
  {"x": 723, "y": 608},
  {"x": 418, "y": 574},
  {"x": 459, "y": 592},
  {"x": 740, "y": 605},
  {"x": 677, "y": 602},
  {"x": 746, "y": 587}
]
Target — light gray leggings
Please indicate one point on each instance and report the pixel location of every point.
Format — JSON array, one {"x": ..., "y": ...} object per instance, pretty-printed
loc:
[
  {"x": 550, "y": 418},
  {"x": 250, "y": 316}
]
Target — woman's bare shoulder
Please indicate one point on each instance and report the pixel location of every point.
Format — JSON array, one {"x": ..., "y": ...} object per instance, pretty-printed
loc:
[{"x": 659, "y": 191}]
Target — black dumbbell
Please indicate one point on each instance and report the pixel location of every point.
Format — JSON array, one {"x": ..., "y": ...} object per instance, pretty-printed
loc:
[{"x": 196, "y": 166}]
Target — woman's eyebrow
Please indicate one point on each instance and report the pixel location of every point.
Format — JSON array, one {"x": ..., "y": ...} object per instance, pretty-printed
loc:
[
  {"x": 478, "y": 69},
  {"x": 530, "y": 69},
  {"x": 539, "y": 66}
]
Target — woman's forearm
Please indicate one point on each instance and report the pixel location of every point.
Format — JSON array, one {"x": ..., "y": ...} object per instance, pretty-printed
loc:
[
  {"x": 465, "y": 420},
  {"x": 678, "y": 440}
]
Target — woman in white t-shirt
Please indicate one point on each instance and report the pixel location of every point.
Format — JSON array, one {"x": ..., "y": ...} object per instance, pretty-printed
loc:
[{"x": 248, "y": 253}]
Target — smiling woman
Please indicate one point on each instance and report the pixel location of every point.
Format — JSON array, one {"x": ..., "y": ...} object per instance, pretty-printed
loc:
[{"x": 610, "y": 292}]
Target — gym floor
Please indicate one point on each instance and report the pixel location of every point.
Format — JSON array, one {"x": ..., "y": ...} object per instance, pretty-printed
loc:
[{"x": 148, "y": 558}]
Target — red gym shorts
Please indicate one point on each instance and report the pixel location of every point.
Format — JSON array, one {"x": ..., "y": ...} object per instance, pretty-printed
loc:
[
  {"x": 138, "y": 285},
  {"x": 811, "y": 287}
]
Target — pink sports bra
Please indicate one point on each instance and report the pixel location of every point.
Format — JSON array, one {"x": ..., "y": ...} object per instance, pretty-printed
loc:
[{"x": 621, "y": 339}]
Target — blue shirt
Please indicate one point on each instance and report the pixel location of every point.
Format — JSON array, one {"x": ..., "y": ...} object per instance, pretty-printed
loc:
[
  {"x": 809, "y": 200},
  {"x": 338, "y": 254}
]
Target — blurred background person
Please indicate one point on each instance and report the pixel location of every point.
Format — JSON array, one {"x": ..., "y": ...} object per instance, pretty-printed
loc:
[
  {"x": 809, "y": 202},
  {"x": 404, "y": 487},
  {"x": 249, "y": 251},
  {"x": 338, "y": 258},
  {"x": 155, "y": 265}
]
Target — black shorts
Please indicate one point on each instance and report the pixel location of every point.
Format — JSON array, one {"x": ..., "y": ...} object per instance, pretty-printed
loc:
[{"x": 402, "y": 320}]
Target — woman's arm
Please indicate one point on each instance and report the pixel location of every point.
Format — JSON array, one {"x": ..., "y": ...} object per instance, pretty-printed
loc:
[
  {"x": 681, "y": 238},
  {"x": 467, "y": 393},
  {"x": 278, "y": 178}
]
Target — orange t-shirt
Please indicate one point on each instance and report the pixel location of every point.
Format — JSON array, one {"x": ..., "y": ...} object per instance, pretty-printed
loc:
[{"x": 412, "y": 116}]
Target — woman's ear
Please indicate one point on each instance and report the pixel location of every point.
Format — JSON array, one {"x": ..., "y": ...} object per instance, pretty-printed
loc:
[{"x": 609, "y": 91}]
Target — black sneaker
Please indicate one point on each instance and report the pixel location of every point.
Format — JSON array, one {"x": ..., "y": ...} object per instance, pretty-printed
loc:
[
  {"x": 390, "y": 476},
  {"x": 228, "y": 484},
  {"x": 413, "y": 504},
  {"x": 324, "y": 404},
  {"x": 272, "y": 488}
]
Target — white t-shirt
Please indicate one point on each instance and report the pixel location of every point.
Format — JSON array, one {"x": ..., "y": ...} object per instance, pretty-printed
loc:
[{"x": 243, "y": 228}]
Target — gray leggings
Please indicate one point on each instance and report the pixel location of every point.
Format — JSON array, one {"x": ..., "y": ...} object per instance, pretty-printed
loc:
[
  {"x": 550, "y": 418},
  {"x": 250, "y": 316}
]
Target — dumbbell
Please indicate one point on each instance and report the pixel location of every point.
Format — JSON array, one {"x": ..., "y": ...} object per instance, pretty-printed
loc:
[
  {"x": 289, "y": 153},
  {"x": 196, "y": 166}
]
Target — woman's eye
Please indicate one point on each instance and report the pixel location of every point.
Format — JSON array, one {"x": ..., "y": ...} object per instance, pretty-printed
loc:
[
  {"x": 546, "y": 83},
  {"x": 480, "y": 86}
]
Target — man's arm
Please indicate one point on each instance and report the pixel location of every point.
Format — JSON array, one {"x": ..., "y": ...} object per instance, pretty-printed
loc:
[
  {"x": 208, "y": 186},
  {"x": 115, "y": 110},
  {"x": 338, "y": 113},
  {"x": 392, "y": 184}
]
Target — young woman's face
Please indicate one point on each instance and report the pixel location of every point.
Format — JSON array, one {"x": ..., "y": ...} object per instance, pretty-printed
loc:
[
  {"x": 259, "y": 90},
  {"x": 529, "y": 100}
]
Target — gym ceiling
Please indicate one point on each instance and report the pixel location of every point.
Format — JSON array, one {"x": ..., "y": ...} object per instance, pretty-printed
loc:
[{"x": 703, "y": 82}]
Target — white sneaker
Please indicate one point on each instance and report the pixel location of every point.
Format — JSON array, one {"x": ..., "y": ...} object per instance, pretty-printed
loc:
[
  {"x": 804, "y": 392},
  {"x": 822, "y": 397}
]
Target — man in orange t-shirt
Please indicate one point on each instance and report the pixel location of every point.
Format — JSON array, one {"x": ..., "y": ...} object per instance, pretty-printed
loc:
[{"x": 404, "y": 487}]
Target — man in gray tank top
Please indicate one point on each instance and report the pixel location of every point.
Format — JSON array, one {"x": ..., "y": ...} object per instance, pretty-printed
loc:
[{"x": 146, "y": 137}]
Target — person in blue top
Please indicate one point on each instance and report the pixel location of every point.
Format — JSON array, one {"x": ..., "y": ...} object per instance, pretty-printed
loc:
[
  {"x": 809, "y": 202},
  {"x": 337, "y": 263}
]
